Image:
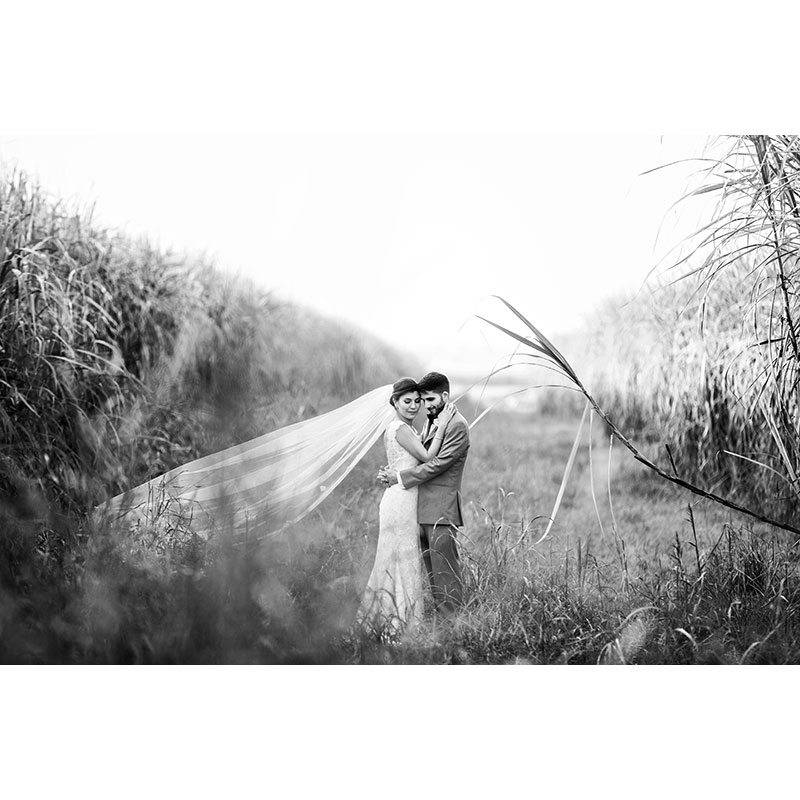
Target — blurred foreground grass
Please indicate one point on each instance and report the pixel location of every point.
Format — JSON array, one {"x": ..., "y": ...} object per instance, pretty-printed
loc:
[{"x": 652, "y": 588}]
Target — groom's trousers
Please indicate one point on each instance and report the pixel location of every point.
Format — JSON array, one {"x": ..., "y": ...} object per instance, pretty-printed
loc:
[{"x": 439, "y": 551}]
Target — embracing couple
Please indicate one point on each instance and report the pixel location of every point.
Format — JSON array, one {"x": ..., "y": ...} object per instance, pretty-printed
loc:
[{"x": 420, "y": 511}]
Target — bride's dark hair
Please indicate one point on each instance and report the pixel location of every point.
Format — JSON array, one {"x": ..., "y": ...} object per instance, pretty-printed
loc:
[{"x": 401, "y": 387}]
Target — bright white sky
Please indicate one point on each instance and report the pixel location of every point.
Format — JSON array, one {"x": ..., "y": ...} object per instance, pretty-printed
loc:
[{"x": 406, "y": 236}]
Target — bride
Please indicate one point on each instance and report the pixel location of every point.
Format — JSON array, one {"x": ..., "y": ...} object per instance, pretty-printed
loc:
[{"x": 393, "y": 599}]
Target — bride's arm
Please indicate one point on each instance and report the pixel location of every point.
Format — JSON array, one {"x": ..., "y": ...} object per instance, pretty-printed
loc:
[{"x": 407, "y": 440}]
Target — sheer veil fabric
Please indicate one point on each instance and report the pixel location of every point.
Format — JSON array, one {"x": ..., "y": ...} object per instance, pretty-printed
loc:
[{"x": 256, "y": 488}]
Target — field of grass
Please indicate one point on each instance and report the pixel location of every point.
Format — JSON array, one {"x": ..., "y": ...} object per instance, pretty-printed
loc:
[
  {"x": 660, "y": 583},
  {"x": 666, "y": 579}
]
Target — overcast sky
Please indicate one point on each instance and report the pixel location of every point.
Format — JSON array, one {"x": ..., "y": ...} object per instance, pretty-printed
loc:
[{"x": 406, "y": 236}]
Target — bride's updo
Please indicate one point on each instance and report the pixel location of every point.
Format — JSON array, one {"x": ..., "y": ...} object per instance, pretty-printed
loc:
[{"x": 401, "y": 387}]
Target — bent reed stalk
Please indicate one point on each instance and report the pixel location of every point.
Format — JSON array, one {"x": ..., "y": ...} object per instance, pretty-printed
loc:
[{"x": 545, "y": 351}]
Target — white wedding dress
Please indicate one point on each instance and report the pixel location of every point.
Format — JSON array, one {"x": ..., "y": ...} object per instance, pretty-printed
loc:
[{"x": 393, "y": 599}]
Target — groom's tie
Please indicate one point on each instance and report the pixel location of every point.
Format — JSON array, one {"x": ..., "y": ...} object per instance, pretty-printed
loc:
[{"x": 431, "y": 423}]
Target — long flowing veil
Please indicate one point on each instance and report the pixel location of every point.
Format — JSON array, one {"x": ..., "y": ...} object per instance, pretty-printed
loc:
[{"x": 256, "y": 488}]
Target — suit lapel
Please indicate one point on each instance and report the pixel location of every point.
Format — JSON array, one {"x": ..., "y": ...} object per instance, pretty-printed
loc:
[{"x": 428, "y": 434}]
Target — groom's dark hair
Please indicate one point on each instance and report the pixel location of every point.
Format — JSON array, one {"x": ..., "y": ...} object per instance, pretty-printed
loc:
[{"x": 434, "y": 382}]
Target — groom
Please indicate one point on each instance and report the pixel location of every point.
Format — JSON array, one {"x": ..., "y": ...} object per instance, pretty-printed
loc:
[{"x": 439, "y": 497}]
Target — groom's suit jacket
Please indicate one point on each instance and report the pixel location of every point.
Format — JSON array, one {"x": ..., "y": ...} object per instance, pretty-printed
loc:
[{"x": 439, "y": 480}]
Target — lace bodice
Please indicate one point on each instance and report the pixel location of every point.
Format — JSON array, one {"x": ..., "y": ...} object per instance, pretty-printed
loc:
[{"x": 396, "y": 455}]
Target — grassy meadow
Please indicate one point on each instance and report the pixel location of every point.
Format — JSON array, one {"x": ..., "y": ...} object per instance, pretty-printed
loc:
[
  {"x": 119, "y": 361},
  {"x": 659, "y": 578}
]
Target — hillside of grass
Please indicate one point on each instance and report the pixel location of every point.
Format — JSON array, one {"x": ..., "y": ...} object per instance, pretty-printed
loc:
[{"x": 119, "y": 360}]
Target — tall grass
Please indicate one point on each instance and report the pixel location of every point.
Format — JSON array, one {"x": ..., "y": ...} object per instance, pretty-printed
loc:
[
  {"x": 119, "y": 361},
  {"x": 744, "y": 263},
  {"x": 688, "y": 386},
  {"x": 703, "y": 362}
]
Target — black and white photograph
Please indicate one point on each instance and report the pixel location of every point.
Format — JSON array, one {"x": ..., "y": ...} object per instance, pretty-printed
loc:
[
  {"x": 426, "y": 452},
  {"x": 362, "y": 365}
]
